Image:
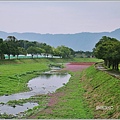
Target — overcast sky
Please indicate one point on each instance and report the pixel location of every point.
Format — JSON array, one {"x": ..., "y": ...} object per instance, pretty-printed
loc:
[{"x": 59, "y": 17}]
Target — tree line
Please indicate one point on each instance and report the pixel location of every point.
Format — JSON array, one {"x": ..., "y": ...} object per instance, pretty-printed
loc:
[
  {"x": 12, "y": 46},
  {"x": 108, "y": 49}
]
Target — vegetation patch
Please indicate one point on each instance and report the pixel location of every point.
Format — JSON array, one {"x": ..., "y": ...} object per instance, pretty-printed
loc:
[
  {"x": 56, "y": 65},
  {"x": 36, "y": 99}
]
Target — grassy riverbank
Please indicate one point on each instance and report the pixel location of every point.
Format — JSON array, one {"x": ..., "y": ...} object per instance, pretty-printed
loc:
[{"x": 102, "y": 93}]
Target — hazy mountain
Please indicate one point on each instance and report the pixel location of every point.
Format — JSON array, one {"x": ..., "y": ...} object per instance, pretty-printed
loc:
[{"x": 80, "y": 41}]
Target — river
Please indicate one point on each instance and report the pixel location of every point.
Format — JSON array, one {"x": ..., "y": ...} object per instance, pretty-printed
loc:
[{"x": 47, "y": 82}]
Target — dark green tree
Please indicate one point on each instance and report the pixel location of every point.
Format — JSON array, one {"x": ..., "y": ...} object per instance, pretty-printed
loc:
[
  {"x": 48, "y": 50},
  {"x": 108, "y": 49},
  {"x": 2, "y": 49},
  {"x": 21, "y": 51},
  {"x": 11, "y": 46},
  {"x": 31, "y": 50},
  {"x": 63, "y": 51}
]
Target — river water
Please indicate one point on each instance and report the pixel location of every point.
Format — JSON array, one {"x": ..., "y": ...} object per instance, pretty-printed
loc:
[{"x": 45, "y": 83}]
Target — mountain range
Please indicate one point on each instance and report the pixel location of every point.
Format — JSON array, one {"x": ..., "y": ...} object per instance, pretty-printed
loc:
[{"x": 84, "y": 41}]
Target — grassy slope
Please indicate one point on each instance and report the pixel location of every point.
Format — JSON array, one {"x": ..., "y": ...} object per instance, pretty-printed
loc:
[{"x": 102, "y": 90}]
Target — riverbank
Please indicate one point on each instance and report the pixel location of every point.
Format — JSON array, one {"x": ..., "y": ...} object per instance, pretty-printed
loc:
[
  {"x": 16, "y": 73},
  {"x": 102, "y": 93}
]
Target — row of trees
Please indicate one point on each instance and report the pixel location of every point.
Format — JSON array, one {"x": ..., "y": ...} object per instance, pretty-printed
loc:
[
  {"x": 108, "y": 49},
  {"x": 12, "y": 46}
]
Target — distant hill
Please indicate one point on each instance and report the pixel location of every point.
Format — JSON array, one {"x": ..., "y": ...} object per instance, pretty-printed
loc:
[{"x": 80, "y": 41}]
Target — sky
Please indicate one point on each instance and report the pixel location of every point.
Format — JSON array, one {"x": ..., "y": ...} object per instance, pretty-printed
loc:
[{"x": 59, "y": 17}]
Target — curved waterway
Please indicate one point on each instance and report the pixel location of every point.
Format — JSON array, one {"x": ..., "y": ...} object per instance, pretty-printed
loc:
[{"x": 47, "y": 82}]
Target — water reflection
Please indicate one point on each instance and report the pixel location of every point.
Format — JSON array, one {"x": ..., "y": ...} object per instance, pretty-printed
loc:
[{"x": 48, "y": 82}]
